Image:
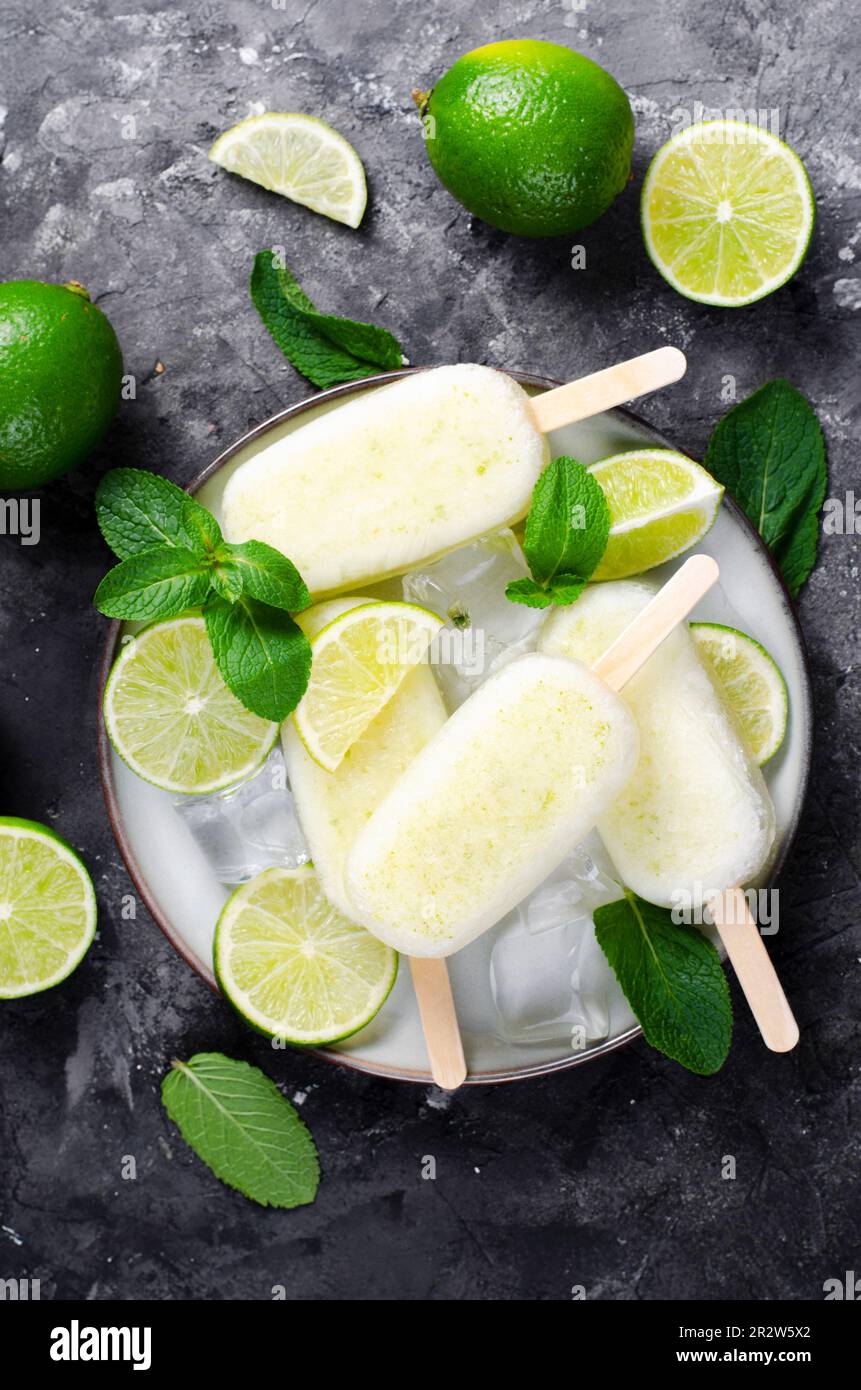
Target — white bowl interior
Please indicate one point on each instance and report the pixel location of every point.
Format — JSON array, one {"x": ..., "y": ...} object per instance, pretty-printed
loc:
[{"x": 179, "y": 881}]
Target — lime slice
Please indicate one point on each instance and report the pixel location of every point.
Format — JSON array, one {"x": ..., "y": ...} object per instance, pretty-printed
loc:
[
  {"x": 299, "y": 156},
  {"x": 361, "y": 651},
  {"x": 293, "y": 966},
  {"x": 661, "y": 503},
  {"x": 727, "y": 212},
  {"x": 170, "y": 716},
  {"x": 750, "y": 683},
  {"x": 47, "y": 908}
]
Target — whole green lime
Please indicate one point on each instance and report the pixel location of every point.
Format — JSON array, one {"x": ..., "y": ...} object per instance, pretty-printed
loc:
[
  {"x": 530, "y": 136},
  {"x": 61, "y": 369}
]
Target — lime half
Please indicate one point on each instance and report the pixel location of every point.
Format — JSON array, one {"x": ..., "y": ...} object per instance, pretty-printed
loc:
[
  {"x": 47, "y": 908},
  {"x": 360, "y": 653},
  {"x": 661, "y": 503},
  {"x": 300, "y": 157},
  {"x": 727, "y": 212},
  {"x": 170, "y": 716},
  {"x": 749, "y": 681},
  {"x": 293, "y": 966}
]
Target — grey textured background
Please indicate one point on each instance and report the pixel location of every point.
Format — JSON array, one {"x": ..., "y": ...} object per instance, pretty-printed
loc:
[{"x": 608, "y": 1176}]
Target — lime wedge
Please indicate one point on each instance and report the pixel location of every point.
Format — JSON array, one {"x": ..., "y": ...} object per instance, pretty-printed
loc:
[
  {"x": 727, "y": 212},
  {"x": 661, "y": 503},
  {"x": 361, "y": 651},
  {"x": 293, "y": 966},
  {"x": 750, "y": 683},
  {"x": 300, "y": 157},
  {"x": 170, "y": 716},
  {"x": 47, "y": 908}
]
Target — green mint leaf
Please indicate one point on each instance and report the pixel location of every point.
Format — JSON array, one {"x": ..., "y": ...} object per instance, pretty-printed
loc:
[
  {"x": 156, "y": 584},
  {"x": 261, "y": 653},
  {"x": 768, "y": 451},
  {"x": 565, "y": 537},
  {"x": 672, "y": 978},
  {"x": 528, "y": 592},
  {"x": 568, "y": 522},
  {"x": 201, "y": 528},
  {"x": 565, "y": 588},
  {"x": 226, "y": 580},
  {"x": 269, "y": 576},
  {"x": 138, "y": 511},
  {"x": 237, "y": 1121},
  {"x": 323, "y": 347}
]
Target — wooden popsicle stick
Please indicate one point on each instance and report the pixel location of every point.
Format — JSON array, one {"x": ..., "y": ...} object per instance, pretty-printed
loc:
[
  {"x": 670, "y": 606},
  {"x": 439, "y": 1021},
  {"x": 754, "y": 969},
  {"x": 577, "y": 400}
]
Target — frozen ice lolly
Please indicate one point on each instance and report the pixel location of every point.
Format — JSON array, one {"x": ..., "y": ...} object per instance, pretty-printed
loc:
[
  {"x": 408, "y": 471},
  {"x": 519, "y": 773},
  {"x": 696, "y": 815},
  {"x": 398, "y": 475},
  {"x": 334, "y": 806}
]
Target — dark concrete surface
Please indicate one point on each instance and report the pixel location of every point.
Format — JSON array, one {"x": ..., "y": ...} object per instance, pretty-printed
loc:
[{"x": 609, "y": 1176}]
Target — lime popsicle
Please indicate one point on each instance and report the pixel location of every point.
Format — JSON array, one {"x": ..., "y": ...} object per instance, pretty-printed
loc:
[
  {"x": 405, "y": 473},
  {"x": 393, "y": 477},
  {"x": 333, "y": 807},
  {"x": 696, "y": 817},
  {"x": 519, "y": 774}
]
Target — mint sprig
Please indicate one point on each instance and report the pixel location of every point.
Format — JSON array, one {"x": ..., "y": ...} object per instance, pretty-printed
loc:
[
  {"x": 672, "y": 978},
  {"x": 768, "y": 451},
  {"x": 325, "y": 348},
  {"x": 566, "y": 535},
  {"x": 173, "y": 557},
  {"x": 237, "y": 1121}
]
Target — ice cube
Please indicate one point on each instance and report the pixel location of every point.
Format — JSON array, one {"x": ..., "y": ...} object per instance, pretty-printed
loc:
[
  {"x": 249, "y": 827},
  {"x": 548, "y": 976},
  {"x": 483, "y": 629}
]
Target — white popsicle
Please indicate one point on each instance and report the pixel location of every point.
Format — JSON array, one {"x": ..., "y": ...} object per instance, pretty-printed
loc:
[
  {"x": 333, "y": 807},
  {"x": 519, "y": 774},
  {"x": 696, "y": 816},
  {"x": 396, "y": 476}
]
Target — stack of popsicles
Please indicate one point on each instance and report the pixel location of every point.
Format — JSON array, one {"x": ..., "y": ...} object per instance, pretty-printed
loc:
[{"x": 433, "y": 828}]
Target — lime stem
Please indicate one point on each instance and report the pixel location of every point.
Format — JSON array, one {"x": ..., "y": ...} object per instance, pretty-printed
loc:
[{"x": 77, "y": 288}]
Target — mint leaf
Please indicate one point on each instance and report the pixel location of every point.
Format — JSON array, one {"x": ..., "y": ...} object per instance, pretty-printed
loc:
[
  {"x": 156, "y": 584},
  {"x": 261, "y": 653},
  {"x": 201, "y": 528},
  {"x": 268, "y": 575},
  {"x": 138, "y": 511},
  {"x": 565, "y": 537},
  {"x": 226, "y": 580},
  {"x": 237, "y": 1121},
  {"x": 323, "y": 347},
  {"x": 672, "y": 978},
  {"x": 529, "y": 592},
  {"x": 768, "y": 451}
]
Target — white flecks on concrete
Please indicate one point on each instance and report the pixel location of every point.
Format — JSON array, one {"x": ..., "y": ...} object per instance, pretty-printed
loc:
[{"x": 847, "y": 293}]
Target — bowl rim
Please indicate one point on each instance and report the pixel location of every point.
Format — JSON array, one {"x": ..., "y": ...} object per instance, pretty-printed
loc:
[{"x": 115, "y": 816}]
